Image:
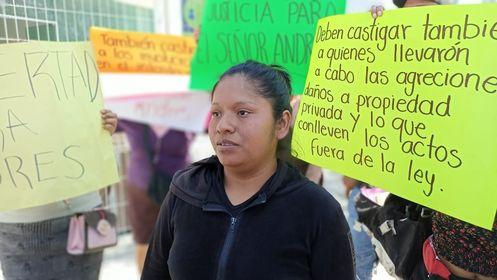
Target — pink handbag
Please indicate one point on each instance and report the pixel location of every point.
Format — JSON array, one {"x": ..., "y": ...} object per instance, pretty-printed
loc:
[{"x": 91, "y": 232}]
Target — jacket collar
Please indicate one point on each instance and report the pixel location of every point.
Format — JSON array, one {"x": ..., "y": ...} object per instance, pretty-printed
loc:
[{"x": 196, "y": 184}]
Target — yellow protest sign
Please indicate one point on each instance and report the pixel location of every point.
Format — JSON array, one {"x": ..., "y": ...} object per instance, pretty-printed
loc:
[
  {"x": 408, "y": 103},
  {"x": 52, "y": 144},
  {"x": 124, "y": 51}
]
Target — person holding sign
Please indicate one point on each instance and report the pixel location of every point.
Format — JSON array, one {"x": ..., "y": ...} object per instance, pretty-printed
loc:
[
  {"x": 156, "y": 153},
  {"x": 458, "y": 251},
  {"x": 33, "y": 240},
  {"x": 243, "y": 214},
  {"x": 366, "y": 258}
]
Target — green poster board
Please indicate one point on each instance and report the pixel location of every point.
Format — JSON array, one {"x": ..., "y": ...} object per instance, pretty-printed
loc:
[{"x": 273, "y": 32}]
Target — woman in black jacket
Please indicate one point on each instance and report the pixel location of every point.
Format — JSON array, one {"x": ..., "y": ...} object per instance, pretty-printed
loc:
[{"x": 243, "y": 214}]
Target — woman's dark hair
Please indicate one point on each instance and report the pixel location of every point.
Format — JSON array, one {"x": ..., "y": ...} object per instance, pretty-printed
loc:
[
  {"x": 270, "y": 81},
  {"x": 402, "y": 3},
  {"x": 399, "y": 3}
]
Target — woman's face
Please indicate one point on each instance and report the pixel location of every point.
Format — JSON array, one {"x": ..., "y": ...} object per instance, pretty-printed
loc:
[{"x": 243, "y": 131}]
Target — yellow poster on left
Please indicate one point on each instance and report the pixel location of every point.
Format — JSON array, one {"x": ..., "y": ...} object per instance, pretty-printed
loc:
[{"x": 52, "y": 145}]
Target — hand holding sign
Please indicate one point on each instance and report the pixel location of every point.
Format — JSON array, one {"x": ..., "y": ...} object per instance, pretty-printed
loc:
[{"x": 109, "y": 120}]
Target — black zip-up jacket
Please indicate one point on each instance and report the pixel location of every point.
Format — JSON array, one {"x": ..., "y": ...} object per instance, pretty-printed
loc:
[{"x": 290, "y": 229}]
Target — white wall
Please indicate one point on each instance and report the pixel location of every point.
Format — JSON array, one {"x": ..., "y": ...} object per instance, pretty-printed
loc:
[{"x": 168, "y": 17}]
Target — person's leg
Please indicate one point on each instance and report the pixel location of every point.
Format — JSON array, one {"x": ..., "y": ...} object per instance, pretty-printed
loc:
[
  {"x": 140, "y": 254},
  {"x": 365, "y": 256},
  {"x": 142, "y": 213}
]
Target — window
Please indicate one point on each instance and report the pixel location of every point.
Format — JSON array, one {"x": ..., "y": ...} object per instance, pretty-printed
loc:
[{"x": 68, "y": 20}]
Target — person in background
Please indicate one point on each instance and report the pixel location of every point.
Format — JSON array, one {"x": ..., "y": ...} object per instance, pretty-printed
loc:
[
  {"x": 366, "y": 257},
  {"x": 156, "y": 153},
  {"x": 458, "y": 251},
  {"x": 33, "y": 240},
  {"x": 365, "y": 254},
  {"x": 244, "y": 214}
]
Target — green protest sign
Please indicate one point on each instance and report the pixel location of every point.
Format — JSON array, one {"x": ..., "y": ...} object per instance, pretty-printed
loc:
[{"x": 274, "y": 32}]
